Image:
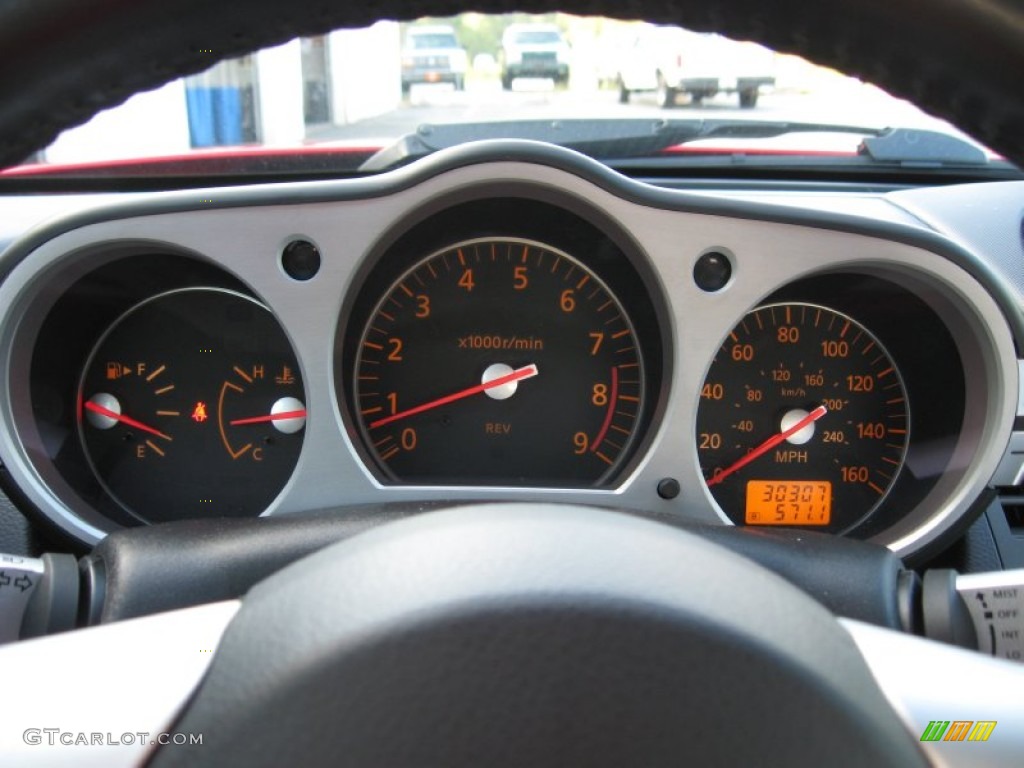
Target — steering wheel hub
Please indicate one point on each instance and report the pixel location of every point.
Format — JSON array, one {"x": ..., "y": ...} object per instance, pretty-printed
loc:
[{"x": 512, "y": 635}]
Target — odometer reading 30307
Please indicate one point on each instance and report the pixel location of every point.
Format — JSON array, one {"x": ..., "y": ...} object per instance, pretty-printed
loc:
[
  {"x": 803, "y": 420},
  {"x": 498, "y": 361}
]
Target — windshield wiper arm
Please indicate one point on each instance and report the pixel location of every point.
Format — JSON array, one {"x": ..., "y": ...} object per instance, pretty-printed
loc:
[
  {"x": 598, "y": 138},
  {"x": 921, "y": 148}
]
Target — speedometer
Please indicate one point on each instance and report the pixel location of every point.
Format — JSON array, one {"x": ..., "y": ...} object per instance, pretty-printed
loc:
[{"x": 803, "y": 420}]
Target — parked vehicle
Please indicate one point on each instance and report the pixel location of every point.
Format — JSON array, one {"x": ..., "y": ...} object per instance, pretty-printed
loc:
[
  {"x": 671, "y": 61},
  {"x": 534, "y": 50},
  {"x": 432, "y": 54}
]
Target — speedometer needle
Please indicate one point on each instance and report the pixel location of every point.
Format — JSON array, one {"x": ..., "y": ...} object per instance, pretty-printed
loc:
[
  {"x": 526, "y": 372},
  {"x": 128, "y": 420},
  {"x": 768, "y": 444}
]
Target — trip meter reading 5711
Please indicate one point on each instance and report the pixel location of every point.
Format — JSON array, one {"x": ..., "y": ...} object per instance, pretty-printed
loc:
[{"x": 803, "y": 420}]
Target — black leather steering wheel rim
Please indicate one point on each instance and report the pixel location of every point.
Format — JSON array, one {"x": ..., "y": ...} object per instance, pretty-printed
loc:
[{"x": 61, "y": 61}]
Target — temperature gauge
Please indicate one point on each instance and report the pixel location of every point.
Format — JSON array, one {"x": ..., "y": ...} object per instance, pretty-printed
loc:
[
  {"x": 192, "y": 405},
  {"x": 245, "y": 393}
]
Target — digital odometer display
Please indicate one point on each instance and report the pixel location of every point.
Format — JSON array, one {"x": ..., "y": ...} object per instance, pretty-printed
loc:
[
  {"x": 788, "y": 502},
  {"x": 801, "y": 391}
]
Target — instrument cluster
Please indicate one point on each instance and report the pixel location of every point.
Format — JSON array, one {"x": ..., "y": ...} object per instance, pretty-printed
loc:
[{"x": 526, "y": 329}]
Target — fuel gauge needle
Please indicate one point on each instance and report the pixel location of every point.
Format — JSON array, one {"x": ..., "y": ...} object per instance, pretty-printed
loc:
[
  {"x": 127, "y": 420},
  {"x": 768, "y": 444}
]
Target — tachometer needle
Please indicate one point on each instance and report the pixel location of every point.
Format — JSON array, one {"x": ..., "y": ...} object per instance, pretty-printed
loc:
[
  {"x": 526, "y": 372},
  {"x": 300, "y": 414},
  {"x": 768, "y": 444},
  {"x": 127, "y": 420}
]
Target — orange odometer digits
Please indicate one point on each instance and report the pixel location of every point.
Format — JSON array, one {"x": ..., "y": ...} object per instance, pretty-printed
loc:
[{"x": 789, "y": 502}]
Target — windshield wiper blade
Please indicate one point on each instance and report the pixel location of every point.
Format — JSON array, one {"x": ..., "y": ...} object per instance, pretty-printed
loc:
[{"x": 598, "y": 138}]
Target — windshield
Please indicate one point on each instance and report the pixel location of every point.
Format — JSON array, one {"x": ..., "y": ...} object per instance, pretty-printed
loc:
[
  {"x": 333, "y": 103},
  {"x": 433, "y": 40},
  {"x": 534, "y": 37}
]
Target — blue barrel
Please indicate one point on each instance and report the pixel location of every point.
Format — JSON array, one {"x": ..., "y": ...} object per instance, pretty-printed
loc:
[{"x": 214, "y": 116}]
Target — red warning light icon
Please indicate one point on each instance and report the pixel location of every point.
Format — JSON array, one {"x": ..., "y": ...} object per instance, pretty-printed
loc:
[{"x": 199, "y": 413}]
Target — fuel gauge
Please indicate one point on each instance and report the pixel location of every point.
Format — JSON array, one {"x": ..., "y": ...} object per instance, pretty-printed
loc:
[
  {"x": 192, "y": 405},
  {"x": 104, "y": 411}
]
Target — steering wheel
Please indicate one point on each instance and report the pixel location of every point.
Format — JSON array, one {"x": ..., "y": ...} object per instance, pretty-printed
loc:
[{"x": 508, "y": 635}]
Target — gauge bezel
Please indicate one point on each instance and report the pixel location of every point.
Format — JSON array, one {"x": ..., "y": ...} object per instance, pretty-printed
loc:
[
  {"x": 511, "y": 212},
  {"x": 949, "y": 407},
  {"x": 65, "y": 322}
]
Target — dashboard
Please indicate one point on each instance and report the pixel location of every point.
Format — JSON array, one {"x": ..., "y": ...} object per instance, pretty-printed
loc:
[{"x": 510, "y": 321}]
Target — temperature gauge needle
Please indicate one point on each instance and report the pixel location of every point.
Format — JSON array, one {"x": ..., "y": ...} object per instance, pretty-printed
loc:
[
  {"x": 768, "y": 444},
  {"x": 526, "y": 372},
  {"x": 298, "y": 414},
  {"x": 127, "y": 420}
]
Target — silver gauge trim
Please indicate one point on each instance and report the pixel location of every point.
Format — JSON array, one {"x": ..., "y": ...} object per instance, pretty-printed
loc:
[{"x": 768, "y": 255}]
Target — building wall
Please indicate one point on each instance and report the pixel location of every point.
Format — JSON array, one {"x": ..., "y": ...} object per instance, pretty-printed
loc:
[
  {"x": 253, "y": 99},
  {"x": 365, "y": 71},
  {"x": 279, "y": 94}
]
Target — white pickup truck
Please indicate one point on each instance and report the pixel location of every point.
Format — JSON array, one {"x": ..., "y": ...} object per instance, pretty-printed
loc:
[
  {"x": 432, "y": 54},
  {"x": 533, "y": 50},
  {"x": 671, "y": 61}
]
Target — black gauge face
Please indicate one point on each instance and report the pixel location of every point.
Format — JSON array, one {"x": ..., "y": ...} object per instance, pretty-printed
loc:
[
  {"x": 191, "y": 405},
  {"x": 498, "y": 361},
  {"x": 803, "y": 420}
]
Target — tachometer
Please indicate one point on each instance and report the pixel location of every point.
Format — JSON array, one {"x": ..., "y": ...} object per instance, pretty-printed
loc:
[
  {"x": 500, "y": 361},
  {"x": 803, "y": 420}
]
